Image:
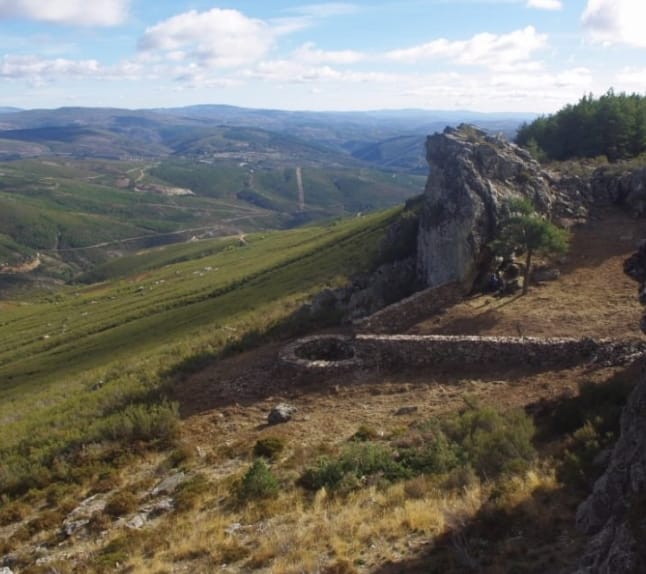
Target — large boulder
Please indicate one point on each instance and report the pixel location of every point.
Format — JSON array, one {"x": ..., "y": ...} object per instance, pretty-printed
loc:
[
  {"x": 614, "y": 515},
  {"x": 472, "y": 175},
  {"x": 620, "y": 185},
  {"x": 281, "y": 413}
]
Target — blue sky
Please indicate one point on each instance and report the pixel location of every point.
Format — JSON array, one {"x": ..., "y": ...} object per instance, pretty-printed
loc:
[{"x": 484, "y": 55}]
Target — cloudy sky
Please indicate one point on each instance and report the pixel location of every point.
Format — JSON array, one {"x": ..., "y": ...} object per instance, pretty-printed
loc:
[{"x": 484, "y": 55}]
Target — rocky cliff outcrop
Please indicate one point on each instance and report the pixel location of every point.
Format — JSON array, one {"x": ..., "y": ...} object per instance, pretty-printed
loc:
[
  {"x": 472, "y": 175},
  {"x": 442, "y": 236},
  {"x": 625, "y": 187},
  {"x": 614, "y": 515}
]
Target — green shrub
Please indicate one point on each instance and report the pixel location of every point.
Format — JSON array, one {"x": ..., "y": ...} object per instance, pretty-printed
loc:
[
  {"x": 189, "y": 492},
  {"x": 436, "y": 456},
  {"x": 56, "y": 493},
  {"x": 121, "y": 503},
  {"x": 577, "y": 466},
  {"x": 118, "y": 551},
  {"x": 258, "y": 483},
  {"x": 156, "y": 422},
  {"x": 481, "y": 441},
  {"x": 180, "y": 456},
  {"x": 269, "y": 447},
  {"x": 357, "y": 462},
  {"x": 365, "y": 433},
  {"x": 493, "y": 443}
]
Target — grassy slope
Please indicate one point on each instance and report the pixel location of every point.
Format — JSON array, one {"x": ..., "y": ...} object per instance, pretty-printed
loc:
[
  {"x": 64, "y": 208},
  {"x": 424, "y": 524},
  {"x": 57, "y": 345}
]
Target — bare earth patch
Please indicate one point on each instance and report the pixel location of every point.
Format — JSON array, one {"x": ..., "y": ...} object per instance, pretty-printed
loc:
[
  {"x": 225, "y": 406},
  {"x": 593, "y": 297},
  {"x": 376, "y": 530}
]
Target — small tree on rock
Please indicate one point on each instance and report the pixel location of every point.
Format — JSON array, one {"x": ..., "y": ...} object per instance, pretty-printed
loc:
[{"x": 525, "y": 231}]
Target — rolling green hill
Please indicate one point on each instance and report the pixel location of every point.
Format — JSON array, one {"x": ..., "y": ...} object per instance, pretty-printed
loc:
[
  {"x": 80, "y": 213},
  {"x": 98, "y": 349}
]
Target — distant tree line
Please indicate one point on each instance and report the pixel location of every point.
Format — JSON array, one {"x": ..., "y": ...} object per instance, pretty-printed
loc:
[{"x": 613, "y": 125}]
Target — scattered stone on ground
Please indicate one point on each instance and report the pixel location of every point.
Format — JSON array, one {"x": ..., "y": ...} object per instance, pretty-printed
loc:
[
  {"x": 81, "y": 515},
  {"x": 405, "y": 411},
  {"x": 169, "y": 484},
  {"x": 281, "y": 413},
  {"x": 542, "y": 274}
]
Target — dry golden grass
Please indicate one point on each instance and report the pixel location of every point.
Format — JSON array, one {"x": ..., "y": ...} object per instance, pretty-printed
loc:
[
  {"x": 383, "y": 530},
  {"x": 294, "y": 534}
]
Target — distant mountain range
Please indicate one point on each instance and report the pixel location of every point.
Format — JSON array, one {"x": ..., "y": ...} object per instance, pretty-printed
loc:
[
  {"x": 390, "y": 139},
  {"x": 79, "y": 186}
]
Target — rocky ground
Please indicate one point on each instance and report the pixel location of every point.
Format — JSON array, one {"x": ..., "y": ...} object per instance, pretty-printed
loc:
[
  {"x": 230, "y": 401},
  {"x": 224, "y": 412}
]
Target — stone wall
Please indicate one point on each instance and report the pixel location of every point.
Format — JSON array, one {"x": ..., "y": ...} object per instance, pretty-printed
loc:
[
  {"x": 401, "y": 315},
  {"x": 397, "y": 351}
]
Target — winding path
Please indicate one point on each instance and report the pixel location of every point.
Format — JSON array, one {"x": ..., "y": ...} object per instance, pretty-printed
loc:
[{"x": 301, "y": 190}]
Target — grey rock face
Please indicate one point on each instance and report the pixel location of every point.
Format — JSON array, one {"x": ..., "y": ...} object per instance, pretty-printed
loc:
[
  {"x": 472, "y": 175},
  {"x": 627, "y": 188},
  {"x": 615, "y": 513},
  {"x": 169, "y": 484},
  {"x": 281, "y": 413},
  {"x": 367, "y": 294},
  {"x": 635, "y": 268},
  {"x": 81, "y": 515}
]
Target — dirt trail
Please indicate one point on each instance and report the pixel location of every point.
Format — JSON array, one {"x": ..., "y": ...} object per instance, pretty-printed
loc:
[
  {"x": 593, "y": 297},
  {"x": 301, "y": 190},
  {"x": 22, "y": 268}
]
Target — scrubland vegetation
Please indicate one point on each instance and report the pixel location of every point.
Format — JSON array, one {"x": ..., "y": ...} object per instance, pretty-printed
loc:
[
  {"x": 89, "y": 365},
  {"x": 87, "y": 409},
  {"x": 79, "y": 213},
  {"x": 160, "y": 364}
]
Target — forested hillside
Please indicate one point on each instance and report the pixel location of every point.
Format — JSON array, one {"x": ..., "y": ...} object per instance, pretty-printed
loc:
[{"x": 613, "y": 125}]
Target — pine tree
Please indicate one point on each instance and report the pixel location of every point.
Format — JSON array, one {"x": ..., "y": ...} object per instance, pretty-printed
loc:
[{"x": 525, "y": 232}]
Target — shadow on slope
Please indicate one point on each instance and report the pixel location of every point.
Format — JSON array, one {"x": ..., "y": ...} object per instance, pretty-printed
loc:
[{"x": 535, "y": 533}]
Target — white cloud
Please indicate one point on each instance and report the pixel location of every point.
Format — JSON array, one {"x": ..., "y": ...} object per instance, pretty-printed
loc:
[
  {"x": 75, "y": 12},
  {"x": 631, "y": 79},
  {"x": 216, "y": 38},
  {"x": 325, "y": 10},
  {"x": 33, "y": 67},
  {"x": 493, "y": 51},
  {"x": 291, "y": 71},
  {"x": 536, "y": 92},
  {"x": 545, "y": 4},
  {"x": 615, "y": 21},
  {"x": 310, "y": 54},
  {"x": 309, "y": 15}
]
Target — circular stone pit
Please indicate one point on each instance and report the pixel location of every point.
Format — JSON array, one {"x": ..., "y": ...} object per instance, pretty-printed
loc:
[{"x": 322, "y": 352}]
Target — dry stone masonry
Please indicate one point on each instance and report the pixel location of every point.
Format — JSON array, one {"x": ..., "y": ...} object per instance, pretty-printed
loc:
[
  {"x": 472, "y": 176},
  {"x": 336, "y": 353}
]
